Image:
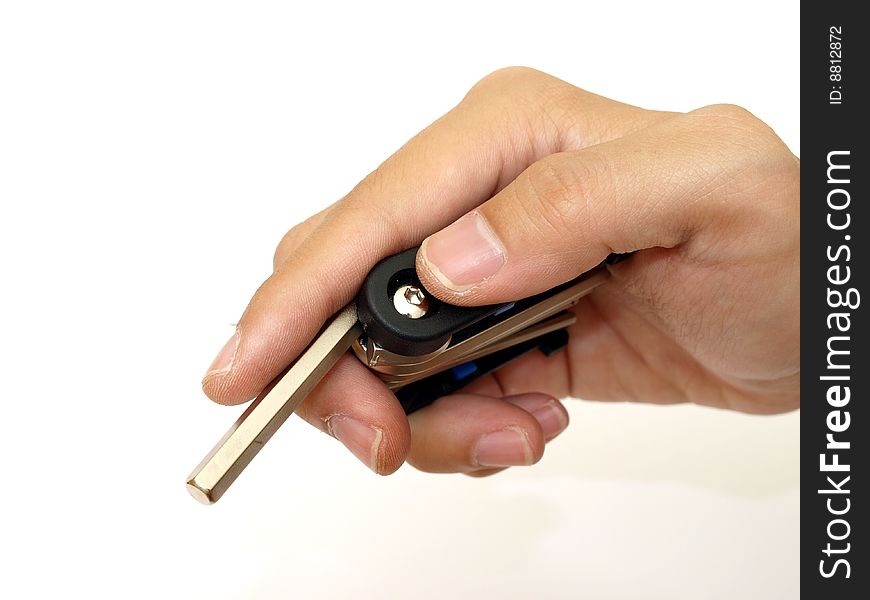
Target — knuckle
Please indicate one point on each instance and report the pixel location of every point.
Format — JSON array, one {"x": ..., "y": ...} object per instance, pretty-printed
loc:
[
  {"x": 371, "y": 185},
  {"x": 737, "y": 123},
  {"x": 285, "y": 248},
  {"x": 295, "y": 237},
  {"x": 726, "y": 111},
  {"x": 533, "y": 100},
  {"x": 748, "y": 151},
  {"x": 508, "y": 78},
  {"x": 516, "y": 85},
  {"x": 559, "y": 195}
]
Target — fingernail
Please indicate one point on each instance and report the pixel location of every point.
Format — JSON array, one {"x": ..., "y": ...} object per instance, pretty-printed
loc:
[
  {"x": 504, "y": 448},
  {"x": 465, "y": 253},
  {"x": 224, "y": 360},
  {"x": 361, "y": 439},
  {"x": 553, "y": 421}
]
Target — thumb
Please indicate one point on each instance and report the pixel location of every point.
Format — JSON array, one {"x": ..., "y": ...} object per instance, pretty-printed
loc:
[{"x": 565, "y": 213}]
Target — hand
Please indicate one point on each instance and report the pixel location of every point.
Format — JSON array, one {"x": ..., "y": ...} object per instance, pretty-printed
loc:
[{"x": 528, "y": 183}]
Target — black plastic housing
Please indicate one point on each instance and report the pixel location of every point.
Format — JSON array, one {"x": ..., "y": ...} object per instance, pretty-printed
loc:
[
  {"x": 396, "y": 332},
  {"x": 402, "y": 335},
  {"x": 420, "y": 394}
]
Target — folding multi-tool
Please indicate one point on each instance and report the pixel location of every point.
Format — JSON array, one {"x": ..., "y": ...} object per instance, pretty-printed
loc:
[{"x": 420, "y": 347}]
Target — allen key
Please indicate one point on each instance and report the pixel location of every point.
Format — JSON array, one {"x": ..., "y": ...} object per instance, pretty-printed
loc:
[
  {"x": 411, "y": 340},
  {"x": 217, "y": 471}
]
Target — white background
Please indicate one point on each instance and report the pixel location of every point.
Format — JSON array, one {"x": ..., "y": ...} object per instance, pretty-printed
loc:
[{"x": 151, "y": 156}]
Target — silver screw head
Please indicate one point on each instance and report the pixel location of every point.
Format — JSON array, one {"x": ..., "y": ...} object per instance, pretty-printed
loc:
[
  {"x": 414, "y": 295},
  {"x": 410, "y": 301}
]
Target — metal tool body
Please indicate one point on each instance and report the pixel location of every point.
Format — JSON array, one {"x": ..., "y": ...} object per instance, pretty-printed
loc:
[
  {"x": 447, "y": 337},
  {"x": 217, "y": 471},
  {"x": 419, "y": 346}
]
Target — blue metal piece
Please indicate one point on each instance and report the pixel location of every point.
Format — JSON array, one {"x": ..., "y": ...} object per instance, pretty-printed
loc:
[
  {"x": 462, "y": 371},
  {"x": 504, "y": 308}
]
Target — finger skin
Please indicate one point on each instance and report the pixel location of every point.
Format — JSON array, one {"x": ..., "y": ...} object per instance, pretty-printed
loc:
[
  {"x": 295, "y": 237},
  {"x": 661, "y": 187},
  {"x": 440, "y": 439},
  {"x": 451, "y": 166},
  {"x": 351, "y": 390},
  {"x": 446, "y": 435}
]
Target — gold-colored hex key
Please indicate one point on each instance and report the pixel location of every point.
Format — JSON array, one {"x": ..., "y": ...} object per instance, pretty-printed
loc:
[{"x": 217, "y": 471}]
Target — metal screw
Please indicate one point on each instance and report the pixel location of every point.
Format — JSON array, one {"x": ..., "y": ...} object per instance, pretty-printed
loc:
[
  {"x": 410, "y": 301},
  {"x": 414, "y": 295}
]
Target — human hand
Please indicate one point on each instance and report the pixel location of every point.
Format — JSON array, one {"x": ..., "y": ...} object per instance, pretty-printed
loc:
[{"x": 529, "y": 182}]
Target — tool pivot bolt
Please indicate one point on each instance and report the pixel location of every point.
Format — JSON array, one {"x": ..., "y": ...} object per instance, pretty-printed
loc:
[{"x": 410, "y": 301}]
